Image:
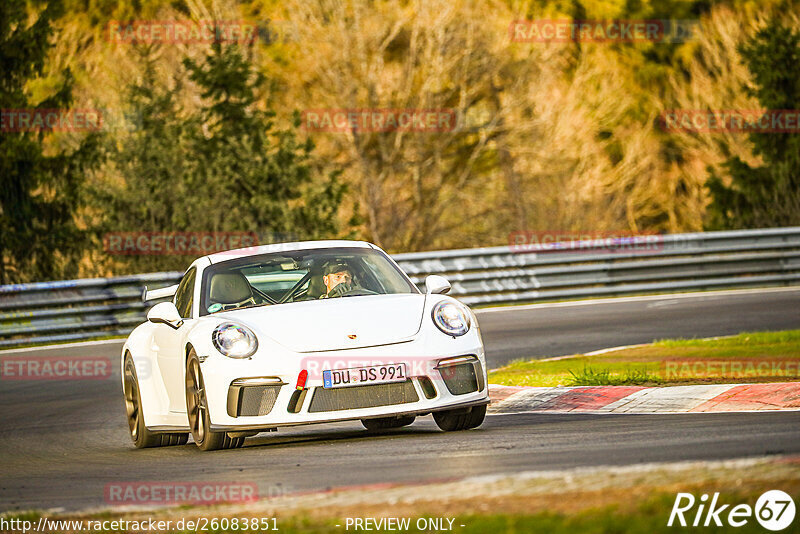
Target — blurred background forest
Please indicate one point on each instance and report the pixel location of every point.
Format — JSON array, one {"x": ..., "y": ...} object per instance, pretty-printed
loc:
[{"x": 551, "y": 136}]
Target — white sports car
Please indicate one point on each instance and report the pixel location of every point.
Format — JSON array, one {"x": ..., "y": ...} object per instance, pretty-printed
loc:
[{"x": 299, "y": 333}]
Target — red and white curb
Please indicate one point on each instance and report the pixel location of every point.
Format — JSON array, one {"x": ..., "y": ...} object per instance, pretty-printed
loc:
[{"x": 642, "y": 400}]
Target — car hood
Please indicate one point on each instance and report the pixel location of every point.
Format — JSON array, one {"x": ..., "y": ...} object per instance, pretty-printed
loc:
[{"x": 328, "y": 324}]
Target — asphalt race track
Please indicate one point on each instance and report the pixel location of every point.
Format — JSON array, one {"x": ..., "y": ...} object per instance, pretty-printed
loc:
[
  {"x": 570, "y": 328},
  {"x": 63, "y": 441}
]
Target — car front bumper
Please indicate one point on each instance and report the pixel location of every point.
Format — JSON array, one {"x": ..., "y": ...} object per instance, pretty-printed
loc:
[{"x": 285, "y": 405}]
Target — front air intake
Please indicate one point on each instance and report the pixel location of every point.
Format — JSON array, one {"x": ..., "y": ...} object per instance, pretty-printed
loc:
[
  {"x": 368, "y": 396},
  {"x": 464, "y": 375},
  {"x": 252, "y": 397}
]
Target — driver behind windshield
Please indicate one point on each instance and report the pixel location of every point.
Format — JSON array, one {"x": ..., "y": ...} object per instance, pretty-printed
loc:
[{"x": 338, "y": 279}]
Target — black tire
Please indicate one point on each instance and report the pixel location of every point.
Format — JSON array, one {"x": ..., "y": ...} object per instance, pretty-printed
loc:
[
  {"x": 142, "y": 437},
  {"x": 383, "y": 423},
  {"x": 197, "y": 411},
  {"x": 461, "y": 419}
]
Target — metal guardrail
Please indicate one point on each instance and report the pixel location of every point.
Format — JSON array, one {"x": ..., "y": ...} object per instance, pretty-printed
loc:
[{"x": 72, "y": 310}]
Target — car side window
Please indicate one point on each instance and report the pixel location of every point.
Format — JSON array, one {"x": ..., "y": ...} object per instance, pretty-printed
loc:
[{"x": 185, "y": 293}]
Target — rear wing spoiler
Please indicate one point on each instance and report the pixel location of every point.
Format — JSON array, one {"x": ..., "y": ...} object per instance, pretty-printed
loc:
[{"x": 161, "y": 293}]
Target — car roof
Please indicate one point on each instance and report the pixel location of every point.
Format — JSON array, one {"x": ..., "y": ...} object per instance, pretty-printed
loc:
[{"x": 285, "y": 247}]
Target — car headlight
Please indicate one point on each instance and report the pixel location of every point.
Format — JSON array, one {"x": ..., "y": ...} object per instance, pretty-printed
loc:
[
  {"x": 234, "y": 340},
  {"x": 451, "y": 318}
]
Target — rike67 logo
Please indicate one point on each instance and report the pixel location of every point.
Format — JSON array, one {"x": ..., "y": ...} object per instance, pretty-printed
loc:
[{"x": 774, "y": 510}]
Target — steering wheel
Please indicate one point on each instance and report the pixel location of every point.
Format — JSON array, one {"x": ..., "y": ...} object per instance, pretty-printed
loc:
[{"x": 348, "y": 290}]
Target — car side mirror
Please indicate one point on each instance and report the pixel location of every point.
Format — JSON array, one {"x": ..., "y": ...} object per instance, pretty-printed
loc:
[
  {"x": 436, "y": 284},
  {"x": 167, "y": 313}
]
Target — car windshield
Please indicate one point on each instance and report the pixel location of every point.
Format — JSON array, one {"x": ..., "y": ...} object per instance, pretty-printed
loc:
[{"x": 293, "y": 276}]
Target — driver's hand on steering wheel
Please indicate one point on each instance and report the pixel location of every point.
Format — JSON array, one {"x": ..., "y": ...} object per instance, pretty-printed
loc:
[{"x": 341, "y": 289}]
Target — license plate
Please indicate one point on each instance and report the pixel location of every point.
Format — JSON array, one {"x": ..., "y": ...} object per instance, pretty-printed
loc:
[{"x": 359, "y": 376}]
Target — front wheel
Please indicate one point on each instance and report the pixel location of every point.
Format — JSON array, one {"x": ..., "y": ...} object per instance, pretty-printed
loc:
[
  {"x": 197, "y": 410},
  {"x": 140, "y": 435},
  {"x": 461, "y": 419},
  {"x": 382, "y": 423}
]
